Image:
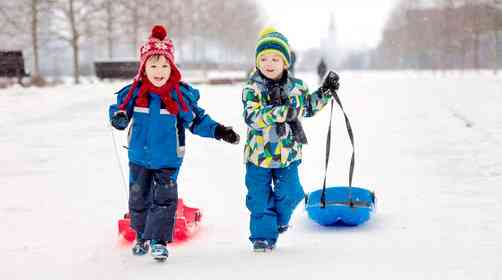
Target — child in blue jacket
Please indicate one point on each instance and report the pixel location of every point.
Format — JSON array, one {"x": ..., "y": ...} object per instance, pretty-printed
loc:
[{"x": 161, "y": 107}]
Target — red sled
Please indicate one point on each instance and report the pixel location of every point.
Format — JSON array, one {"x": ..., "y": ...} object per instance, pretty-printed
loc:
[{"x": 186, "y": 224}]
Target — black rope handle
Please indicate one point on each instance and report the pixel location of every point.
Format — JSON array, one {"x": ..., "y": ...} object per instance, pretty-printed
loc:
[{"x": 328, "y": 147}]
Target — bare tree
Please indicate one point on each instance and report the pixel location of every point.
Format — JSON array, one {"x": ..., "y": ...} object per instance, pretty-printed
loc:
[
  {"x": 111, "y": 19},
  {"x": 497, "y": 41},
  {"x": 22, "y": 28},
  {"x": 74, "y": 16},
  {"x": 34, "y": 35},
  {"x": 450, "y": 33},
  {"x": 11, "y": 15},
  {"x": 133, "y": 22},
  {"x": 38, "y": 8},
  {"x": 240, "y": 23},
  {"x": 109, "y": 11},
  {"x": 204, "y": 31}
]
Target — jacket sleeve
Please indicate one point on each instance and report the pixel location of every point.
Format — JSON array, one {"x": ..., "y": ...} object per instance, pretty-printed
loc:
[
  {"x": 314, "y": 102},
  {"x": 258, "y": 115},
  {"x": 121, "y": 95},
  {"x": 202, "y": 124}
]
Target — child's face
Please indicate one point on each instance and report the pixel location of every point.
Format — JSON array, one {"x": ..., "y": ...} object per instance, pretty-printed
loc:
[
  {"x": 158, "y": 70},
  {"x": 271, "y": 65}
]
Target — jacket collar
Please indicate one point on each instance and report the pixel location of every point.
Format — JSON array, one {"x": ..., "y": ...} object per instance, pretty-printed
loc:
[{"x": 257, "y": 77}]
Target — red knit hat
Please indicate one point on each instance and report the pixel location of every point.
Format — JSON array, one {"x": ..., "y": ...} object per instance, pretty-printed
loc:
[{"x": 158, "y": 44}]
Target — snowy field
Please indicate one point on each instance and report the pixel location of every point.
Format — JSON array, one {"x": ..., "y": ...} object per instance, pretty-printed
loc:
[{"x": 429, "y": 145}]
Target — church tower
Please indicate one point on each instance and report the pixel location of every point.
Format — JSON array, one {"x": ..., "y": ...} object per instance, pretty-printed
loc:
[{"x": 329, "y": 48}]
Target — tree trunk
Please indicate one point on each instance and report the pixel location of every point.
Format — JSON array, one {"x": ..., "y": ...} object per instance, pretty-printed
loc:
[
  {"x": 496, "y": 51},
  {"x": 496, "y": 40},
  {"x": 34, "y": 37},
  {"x": 76, "y": 67},
  {"x": 135, "y": 30},
  {"x": 109, "y": 28},
  {"x": 476, "y": 51},
  {"x": 74, "y": 45}
]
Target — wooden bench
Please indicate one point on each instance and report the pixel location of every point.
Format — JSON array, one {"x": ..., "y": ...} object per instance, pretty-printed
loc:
[
  {"x": 226, "y": 81},
  {"x": 116, "y": 69},
  {"x": 126, "y": 70},
  {"x": 12, "y": 65},
  {"x": 226, "y": 77}
]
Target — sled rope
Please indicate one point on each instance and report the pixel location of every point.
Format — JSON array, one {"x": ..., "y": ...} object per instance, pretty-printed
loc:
[
  {"x": 328, "y": 148},
  {"x": 117, "y": 157}
]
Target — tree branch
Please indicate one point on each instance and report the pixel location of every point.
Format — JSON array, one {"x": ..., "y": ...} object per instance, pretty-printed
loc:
[{"x": 7, "y": 18}]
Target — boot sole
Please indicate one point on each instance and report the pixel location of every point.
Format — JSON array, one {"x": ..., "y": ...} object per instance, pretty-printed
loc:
[
  {"x": 160, "y": 259},
  {"x": 260, "y": 250},
  {"x": 263, "y": 250}
]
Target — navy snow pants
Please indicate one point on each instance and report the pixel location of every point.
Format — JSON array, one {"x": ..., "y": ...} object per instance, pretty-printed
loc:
[
  {"x": 271, "y": 207},
  {"x": 153, "y": 197}
]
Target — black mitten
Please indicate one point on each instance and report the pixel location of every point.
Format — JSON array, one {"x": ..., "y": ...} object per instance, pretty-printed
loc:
[
  {"x": 120, "y": 120},
  {"x": 226, "y": 133},
  {"x": 330, "y": 83},
  {"x": 277, "y": 96}
]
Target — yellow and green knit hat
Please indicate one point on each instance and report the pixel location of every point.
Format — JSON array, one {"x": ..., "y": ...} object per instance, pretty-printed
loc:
[{"x": 271, "y": 41}]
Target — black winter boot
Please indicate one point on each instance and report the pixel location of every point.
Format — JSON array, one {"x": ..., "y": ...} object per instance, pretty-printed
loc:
[{"x": 140, "y": 248}]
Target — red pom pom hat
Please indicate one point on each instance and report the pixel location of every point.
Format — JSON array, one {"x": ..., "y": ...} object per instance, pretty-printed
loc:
[{"x": 157, "y": 44}]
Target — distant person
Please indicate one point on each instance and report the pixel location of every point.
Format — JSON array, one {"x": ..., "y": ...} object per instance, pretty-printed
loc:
[
  {"x": 274, "y": 103},
  {"x": 321, "y": 69},
  {"x": 161, "y": 108},
  {"x": 291, "y": 69}
]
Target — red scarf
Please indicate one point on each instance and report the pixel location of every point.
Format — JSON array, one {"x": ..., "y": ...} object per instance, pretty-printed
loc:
[{"x": 164, "y": 92}]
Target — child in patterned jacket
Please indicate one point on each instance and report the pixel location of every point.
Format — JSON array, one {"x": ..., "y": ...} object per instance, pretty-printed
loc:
[
  {"x": 274, "y": 103},
  {"x": 161, "y": 107}
]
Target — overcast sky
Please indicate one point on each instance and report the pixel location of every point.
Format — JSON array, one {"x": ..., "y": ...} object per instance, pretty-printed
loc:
[{"x": 305, "y": 22}]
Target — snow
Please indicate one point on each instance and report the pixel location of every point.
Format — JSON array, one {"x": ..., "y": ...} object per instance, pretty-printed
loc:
[{"x": 428, "y": 144}]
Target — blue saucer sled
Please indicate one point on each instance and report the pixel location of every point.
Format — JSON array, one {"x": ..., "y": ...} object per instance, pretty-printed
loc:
[
  {"x": 344, "y": 206},
  {"x": 339, "y": 205}
]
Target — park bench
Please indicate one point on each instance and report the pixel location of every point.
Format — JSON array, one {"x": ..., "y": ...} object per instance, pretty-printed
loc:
[
  {"x": 12, "y": 65},
  {"x": 125, "y": 70}
]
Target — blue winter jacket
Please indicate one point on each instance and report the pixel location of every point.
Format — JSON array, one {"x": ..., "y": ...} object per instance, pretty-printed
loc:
[{"x": 156, "y": 137}]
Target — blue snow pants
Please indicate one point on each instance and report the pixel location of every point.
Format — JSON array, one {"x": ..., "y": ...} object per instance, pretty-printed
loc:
[
  {"x": 271, "y": 207},
  {"x": 153, "y": 197}
]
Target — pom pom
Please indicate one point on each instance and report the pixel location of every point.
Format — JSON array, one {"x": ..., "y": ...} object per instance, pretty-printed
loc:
[
  {"x": 159, "y": 32},
  {"x": 267, "y": 30}
]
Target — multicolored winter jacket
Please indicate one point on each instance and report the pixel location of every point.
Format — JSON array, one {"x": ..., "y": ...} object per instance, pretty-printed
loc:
[
  {"x": 264, "y": 148},
  {"x": 157, "y": 137}
]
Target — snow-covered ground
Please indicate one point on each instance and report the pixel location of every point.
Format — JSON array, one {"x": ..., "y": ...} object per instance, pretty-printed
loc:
[{"x": 430, "y": 145}]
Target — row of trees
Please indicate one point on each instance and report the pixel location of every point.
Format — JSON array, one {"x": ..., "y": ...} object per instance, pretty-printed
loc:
[
  {"x": 53, "y": 31},
  {"x": 442, "y": 34}
]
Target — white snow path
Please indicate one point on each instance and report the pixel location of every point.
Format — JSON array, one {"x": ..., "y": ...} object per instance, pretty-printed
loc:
[{"x": 428, "y": 144}]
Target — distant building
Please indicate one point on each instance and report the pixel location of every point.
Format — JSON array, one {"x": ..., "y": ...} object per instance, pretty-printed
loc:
[{"x": 329, "y": 46}]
